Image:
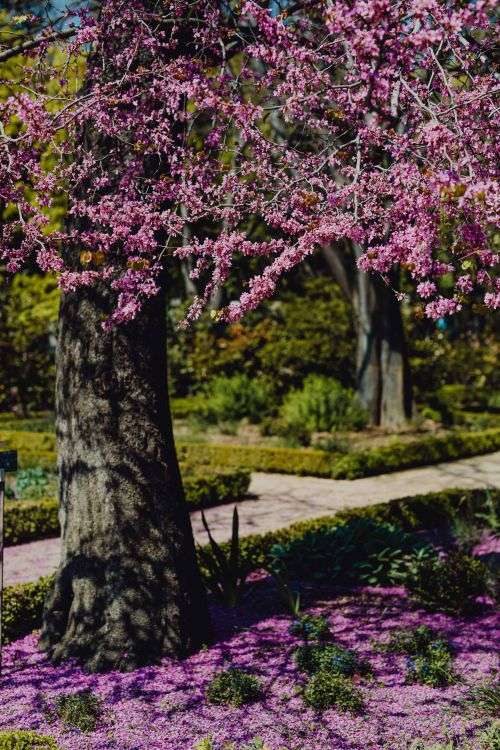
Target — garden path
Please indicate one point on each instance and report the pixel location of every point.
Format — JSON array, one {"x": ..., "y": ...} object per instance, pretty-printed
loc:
[{"x": 277, "y": 500}]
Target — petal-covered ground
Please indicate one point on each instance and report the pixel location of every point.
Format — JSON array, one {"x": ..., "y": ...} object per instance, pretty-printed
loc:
[{"x": 164, "y": 708}]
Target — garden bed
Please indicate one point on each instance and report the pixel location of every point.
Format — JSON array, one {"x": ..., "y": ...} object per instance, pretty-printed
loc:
[{"x": 166, "y": 706}]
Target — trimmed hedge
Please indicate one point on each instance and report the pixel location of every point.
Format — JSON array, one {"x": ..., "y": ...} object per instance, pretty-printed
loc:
[
  {"x": 24, "y": 603},
  {"x": 27, "y": 520},
  {"x": 429, "y": 450},
  {"x": 38, "y": 449},
  {"x": 23, "y": 608}
]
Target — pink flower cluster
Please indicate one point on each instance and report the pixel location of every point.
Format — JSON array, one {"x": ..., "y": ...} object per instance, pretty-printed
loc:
[{"x": 368, "y": 122}]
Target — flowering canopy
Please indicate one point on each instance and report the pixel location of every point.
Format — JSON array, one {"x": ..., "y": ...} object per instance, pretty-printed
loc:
[{"x": 371, "y": 121}]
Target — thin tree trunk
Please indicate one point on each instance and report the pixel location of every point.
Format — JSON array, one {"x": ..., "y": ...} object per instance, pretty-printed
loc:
[
  {"x": 383, "y": 372},
  {"x": 127, "y": 591}
]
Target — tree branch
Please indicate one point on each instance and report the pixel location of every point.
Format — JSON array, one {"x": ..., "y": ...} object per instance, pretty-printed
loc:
[{"x": 32, "y": 43}]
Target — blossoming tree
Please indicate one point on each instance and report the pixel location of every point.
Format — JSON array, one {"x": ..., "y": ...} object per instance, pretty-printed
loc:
[{"x": 389, "y": 112}]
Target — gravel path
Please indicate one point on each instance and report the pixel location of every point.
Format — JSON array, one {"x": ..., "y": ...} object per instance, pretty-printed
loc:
[{"x": 276, "y": 500}]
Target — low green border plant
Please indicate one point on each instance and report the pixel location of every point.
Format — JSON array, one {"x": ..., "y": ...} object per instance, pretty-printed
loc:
[
  {"x": 23, "y": 604},
  {"x": 27, "y": 520},
  {"x": 21, "y": 739},
  {"x": 38, "y": 449}
]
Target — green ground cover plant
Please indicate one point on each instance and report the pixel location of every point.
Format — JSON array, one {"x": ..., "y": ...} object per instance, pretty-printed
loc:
[
  {"x": 233, "y": 687},
  {"x": 326, "y": 690}
]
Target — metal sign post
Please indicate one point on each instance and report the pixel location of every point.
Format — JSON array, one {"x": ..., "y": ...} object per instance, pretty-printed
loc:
[{"x": 8, "y": 462}]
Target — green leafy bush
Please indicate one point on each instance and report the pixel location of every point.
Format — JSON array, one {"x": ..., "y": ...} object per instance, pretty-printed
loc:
[
  {"x": 359, "y": 550},
  {"x": 229, "y": 399},
  {"x": 233, "y": 687},
  {"x": 328, "y": 690},
  {"x": 322, "y": 405},
  {"x": 20, "y": 739},
  {"x": 328, "y": 657},
  {"x": 490, "y": 738},
  {"x": 450, "y": 585},
  {"x": 81, "y": 710},
  {"x": 311, "y": 627}
]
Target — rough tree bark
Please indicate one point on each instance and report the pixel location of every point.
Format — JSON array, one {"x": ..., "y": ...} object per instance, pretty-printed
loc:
[
  {"x": 382, "y": 366},
  {"x": 127, "y": 590}
]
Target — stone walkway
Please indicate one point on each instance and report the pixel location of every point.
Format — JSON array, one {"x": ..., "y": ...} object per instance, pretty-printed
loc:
[{"x": 276, "y": 500}]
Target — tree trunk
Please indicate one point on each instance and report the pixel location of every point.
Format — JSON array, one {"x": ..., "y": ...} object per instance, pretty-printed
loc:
[
  {"x": 382, "y": 362},
  {"x": 128, "y": 590}
]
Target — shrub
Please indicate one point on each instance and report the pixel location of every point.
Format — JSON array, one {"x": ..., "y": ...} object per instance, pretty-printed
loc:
[
  {"x": 451, "y": 585},
  {"x": 81, "y": 710},
  {"x": 311, "y": 627},
  {"x": 435, "y": 669},
  {"x": 23, "y": 607},
  {"x": 322, "y": 405},
  {"x": 26, "y": 520},
  {"x": 229, "y": 399},
  {"x": 360, "y": 549},
  {"x": 20, "y": 739},
  {"x": 423, "y": 452},
  {"x": 233, "y": 687},
  {"x": 328, "y": 657},
  {"x": 328, "y": 690}
]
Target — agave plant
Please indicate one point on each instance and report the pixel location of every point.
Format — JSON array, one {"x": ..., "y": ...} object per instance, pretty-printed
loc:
[{"x": 225, "y": 573}]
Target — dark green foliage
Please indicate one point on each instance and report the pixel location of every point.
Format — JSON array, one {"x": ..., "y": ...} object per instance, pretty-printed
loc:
[
  {"x": 328, "y": 657},
  {"x": 288, "y": 593},
  {"x": 419, "y": 641},
  {"x": 224, "y": 574},
  {"x": 359, "y": 550},
  {"x": 286, "y": 339},
  {"x": 329, "y": 690},
  {"x": 233, "y": 687},
  {"x": 322, "y": 405},
  {"x": 451, "y": 585},
  {"x": 490, "y": 738},
  {"x": 218, "y": 486},
  {"x": 20, "y": 739},
  {"x": 311, "y": 628},
  {"x": 81, "y": 710},
  {"x": 435, "y": 669}
]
